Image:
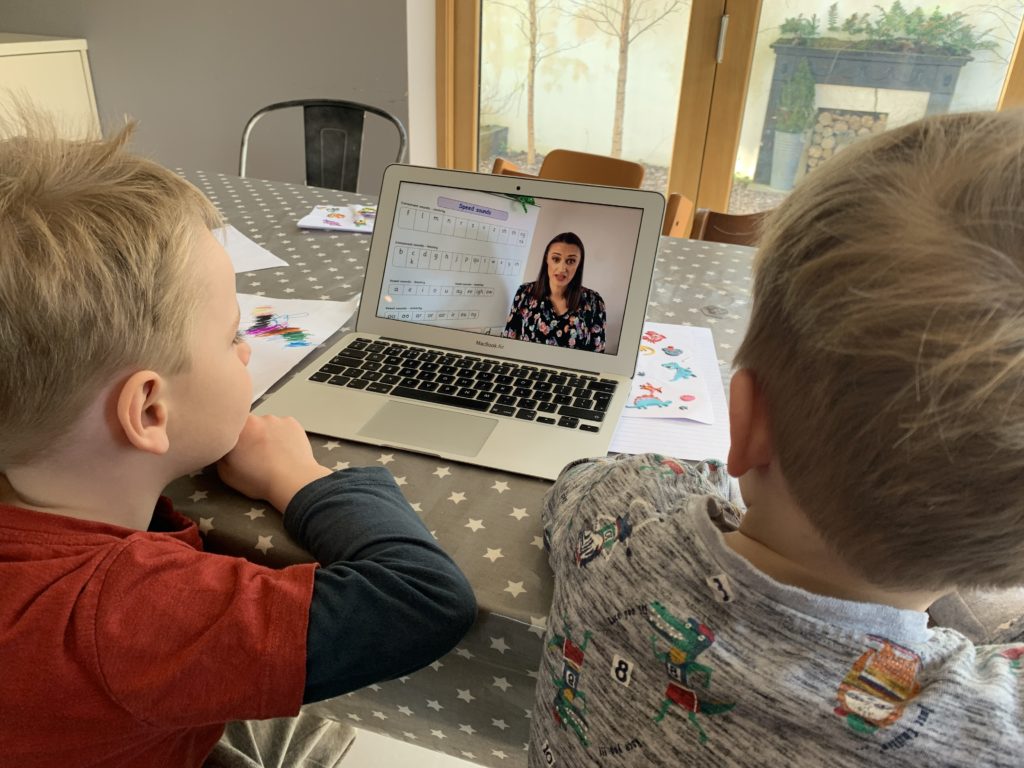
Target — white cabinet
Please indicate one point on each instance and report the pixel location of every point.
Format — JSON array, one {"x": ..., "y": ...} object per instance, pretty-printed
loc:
[{"x": 54, "y": 73}]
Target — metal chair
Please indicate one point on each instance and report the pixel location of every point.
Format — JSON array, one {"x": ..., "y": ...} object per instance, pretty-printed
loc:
[
  {"x": 735, "y": 229},
  {"x": 334, "y": 139}
]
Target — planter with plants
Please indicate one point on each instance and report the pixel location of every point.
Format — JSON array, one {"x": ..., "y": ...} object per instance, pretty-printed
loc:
[
  {"x": 793, "y": 118},
  {"x": 888, "y": 48}
]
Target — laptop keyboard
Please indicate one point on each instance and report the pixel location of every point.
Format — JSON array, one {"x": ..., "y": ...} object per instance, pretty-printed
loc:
[{"x": 532, "y": 393}]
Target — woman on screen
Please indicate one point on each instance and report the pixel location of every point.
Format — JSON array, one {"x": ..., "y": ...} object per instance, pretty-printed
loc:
[{"x": 556, "y": 308}]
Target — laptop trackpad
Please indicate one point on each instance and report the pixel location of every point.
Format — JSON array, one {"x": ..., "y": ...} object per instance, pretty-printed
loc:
[{"x": 429, "y": 429}]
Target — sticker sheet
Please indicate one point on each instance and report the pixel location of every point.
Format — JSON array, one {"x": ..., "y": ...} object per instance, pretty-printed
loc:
[{"x": 670, "y": 381}]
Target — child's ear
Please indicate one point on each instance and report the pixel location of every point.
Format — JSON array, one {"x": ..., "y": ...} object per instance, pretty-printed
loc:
[
  {"x": 142, "y": 412},
  {"x": 750, "y": 432}
]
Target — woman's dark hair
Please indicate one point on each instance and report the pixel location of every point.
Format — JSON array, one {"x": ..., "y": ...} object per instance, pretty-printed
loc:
[{"x": 573, "y": 291}]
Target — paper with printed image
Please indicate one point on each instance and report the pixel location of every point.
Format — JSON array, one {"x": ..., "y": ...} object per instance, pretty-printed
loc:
[
  {"x": 670, "y": 382},
  {"x": 282, "y": 332},
  {"x": 342, "y": 218}
]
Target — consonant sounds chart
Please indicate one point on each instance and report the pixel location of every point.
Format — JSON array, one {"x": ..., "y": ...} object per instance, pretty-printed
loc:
[{"x": 456, "y": 257}]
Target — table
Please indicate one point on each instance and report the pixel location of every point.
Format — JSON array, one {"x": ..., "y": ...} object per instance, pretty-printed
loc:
[{"x": 475, "y": 702}]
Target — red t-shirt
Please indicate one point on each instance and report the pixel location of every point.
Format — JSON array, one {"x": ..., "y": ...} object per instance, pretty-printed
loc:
[{"x": 129, "y": 648}]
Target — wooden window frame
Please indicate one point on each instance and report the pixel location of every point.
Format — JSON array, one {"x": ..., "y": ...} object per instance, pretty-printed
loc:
[{"x": 711, "y": 98}]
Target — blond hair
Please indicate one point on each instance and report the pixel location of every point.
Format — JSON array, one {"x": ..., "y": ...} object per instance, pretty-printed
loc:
[
  {"x": 887, "y": 334},
  {"x": 95, "y": 244}
]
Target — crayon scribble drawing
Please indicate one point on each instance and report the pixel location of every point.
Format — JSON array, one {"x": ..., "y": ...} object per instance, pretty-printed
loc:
[{"x": 267, "y": 324}]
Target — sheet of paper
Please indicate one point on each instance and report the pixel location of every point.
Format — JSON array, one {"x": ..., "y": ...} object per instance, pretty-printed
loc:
[
  {"x": 681, "y": 438},
  {"x": 343, "y": 218},
  {"x": 282, "y": 332},
  {"x": 246, "y": 256},
  {"x": 669, "y": 381}
]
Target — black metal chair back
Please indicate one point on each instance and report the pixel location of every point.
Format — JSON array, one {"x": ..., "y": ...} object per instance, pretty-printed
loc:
[{"x": 334, "y": 139}]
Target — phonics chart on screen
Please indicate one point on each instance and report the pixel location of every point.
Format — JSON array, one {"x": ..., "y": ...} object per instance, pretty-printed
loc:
[{"x": 455, "y": 257}]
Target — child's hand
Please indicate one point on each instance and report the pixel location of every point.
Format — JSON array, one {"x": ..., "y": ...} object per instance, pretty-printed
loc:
[{"x": 272, "y": 460}]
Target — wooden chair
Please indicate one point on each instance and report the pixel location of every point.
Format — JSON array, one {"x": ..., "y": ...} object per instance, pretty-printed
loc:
[
  {"x": 503, "y": 167},
  {"x": 581, "y": 167},
  {"x": 566, "y": 165},
  {"x": 736, "y": 229},
  {"x": 678, "y": 216}
]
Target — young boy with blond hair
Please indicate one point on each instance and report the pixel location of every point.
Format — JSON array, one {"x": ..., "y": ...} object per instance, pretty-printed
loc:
[
  {"x": 121, "y": 642},
  {"x": 877, "y": 425}
]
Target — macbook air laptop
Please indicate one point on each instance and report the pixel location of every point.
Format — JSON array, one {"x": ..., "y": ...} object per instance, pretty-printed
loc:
[{"x": 457, "y": 352}]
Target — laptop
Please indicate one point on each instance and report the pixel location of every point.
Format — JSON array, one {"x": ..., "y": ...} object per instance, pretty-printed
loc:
[{"x": 453, "y": 353}]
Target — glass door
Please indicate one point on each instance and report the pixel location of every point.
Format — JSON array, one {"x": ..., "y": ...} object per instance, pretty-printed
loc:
[
  {"x": 599, "y": 76},
  {"x": 729, "y": 102},
  {"x": 825, "y": 74}
]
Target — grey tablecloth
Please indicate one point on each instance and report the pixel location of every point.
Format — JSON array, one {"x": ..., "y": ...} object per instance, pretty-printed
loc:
[{"x": 475, "y": 702}]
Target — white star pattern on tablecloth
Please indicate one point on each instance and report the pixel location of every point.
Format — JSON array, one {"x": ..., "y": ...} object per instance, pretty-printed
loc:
[
  {"x": 355, "y": 717},
  {"x": 374, "y": 687},
  {"x": 264, "y": 544},
  {"x": 310, "y": 273},
  {"x": 514, "y": 588},
  {"x": 498, "y": 644},
  {"x": 436, "y": 665},
  {"x": 199, "y": 496},
  {"x": 434, "y": 705},
  {"x": 205, "y": 524},
  {"x": 456, "y": 497},
  {"x": 400, "y": 481},
  {"x": 438, "y": 733},
  {"x": 379, "y": 715}
]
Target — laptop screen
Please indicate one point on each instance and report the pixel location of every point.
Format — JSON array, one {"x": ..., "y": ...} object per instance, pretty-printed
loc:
[{"x": 538, "y": 270}]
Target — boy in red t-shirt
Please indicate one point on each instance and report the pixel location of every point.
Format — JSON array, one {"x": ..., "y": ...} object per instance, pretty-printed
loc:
[{"x": 121, "y": 642}]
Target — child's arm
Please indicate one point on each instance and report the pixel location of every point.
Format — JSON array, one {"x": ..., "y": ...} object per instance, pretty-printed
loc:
[{"x": 388, "y": 599}]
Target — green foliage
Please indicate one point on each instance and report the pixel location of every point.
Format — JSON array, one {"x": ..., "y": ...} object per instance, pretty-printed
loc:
[
  {"x": 796, "y": 101},
  {"x": 799, "y": 28},
  {"x": 833, "y": 17},
  {"x": 892, "y": 29}
]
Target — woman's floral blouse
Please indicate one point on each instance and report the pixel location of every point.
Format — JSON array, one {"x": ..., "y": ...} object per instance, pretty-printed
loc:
[{"x": 533, "y": 320}]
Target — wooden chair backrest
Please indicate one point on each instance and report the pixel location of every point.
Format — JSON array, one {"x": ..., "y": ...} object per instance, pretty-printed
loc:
[
  {"x": 678, "y": 216},
  {"x": 585, "y": 168},
  {"x": 503, "y": 167},
  {"x": 732, "y": 228}
]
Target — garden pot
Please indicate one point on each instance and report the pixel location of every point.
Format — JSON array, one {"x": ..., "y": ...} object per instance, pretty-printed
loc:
[{"x": 786, "y": 153}]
